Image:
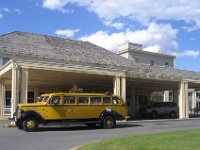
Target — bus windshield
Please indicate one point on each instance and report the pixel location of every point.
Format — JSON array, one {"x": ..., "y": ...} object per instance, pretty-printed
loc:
[{"x": 42, "y": 98}]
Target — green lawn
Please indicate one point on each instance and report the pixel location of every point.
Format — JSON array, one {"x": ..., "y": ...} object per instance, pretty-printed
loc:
[{"x": 178, "y": 140}]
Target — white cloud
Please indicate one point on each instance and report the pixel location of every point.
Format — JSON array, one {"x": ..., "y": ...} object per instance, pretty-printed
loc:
[
  {"x": 54, "y": 4},
  {"x": 154, "y": 48},
  {"x": 143, "y": 11},
  {"x": 3, "y": 11},
  {"x": 18, "y": 11},
  {"x": 1, "y": 15},
  {"x": 190, "y": 53},
  {"x": 66, "y": 32},
  {"x": 6, "y": 10},
  {"x": 105, "y": 40},
  {"x": 57, "y": 5},
  {"x": 192, "y": 39},
  {"x": 156, "y": 38},
  {"x": 117, "y": 25}
]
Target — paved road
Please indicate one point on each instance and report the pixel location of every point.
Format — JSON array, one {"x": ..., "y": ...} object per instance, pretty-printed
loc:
[{"x": 64, "y": 138}]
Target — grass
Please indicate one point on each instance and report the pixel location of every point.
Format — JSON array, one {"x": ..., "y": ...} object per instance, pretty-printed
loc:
[{"x": 178, "y": 140}]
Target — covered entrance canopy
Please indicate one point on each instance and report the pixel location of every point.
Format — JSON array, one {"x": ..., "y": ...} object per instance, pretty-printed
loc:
[
  {"x": 47, "y": 77},
  {"x": 44, "y": 77},
  {"x": 63, "y": 81},
  {"x": 46, "y": 64}
]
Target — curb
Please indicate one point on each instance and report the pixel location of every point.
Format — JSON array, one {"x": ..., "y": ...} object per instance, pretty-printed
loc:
[
  {"x": 11, "y": 125},
  {"x": 75, "y": 148},
  {"x": 158, "y": 120},
  {"x": 4, "y": 119},
  {"x": 154, "y": 120}
]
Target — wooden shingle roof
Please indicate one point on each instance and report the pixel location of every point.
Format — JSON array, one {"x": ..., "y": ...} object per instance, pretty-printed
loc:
[
  {"x": 60, "y": 49},
  {"x": 39, "y": 46}
]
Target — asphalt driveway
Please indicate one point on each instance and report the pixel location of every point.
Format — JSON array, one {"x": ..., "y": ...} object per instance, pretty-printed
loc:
[{"x": 64, "y": 138}]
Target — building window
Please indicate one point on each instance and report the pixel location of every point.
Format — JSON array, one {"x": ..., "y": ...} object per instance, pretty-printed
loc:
[
  {"x": 137, "y": 59},
  {"x": 198, "y": 95},
  {"x": 152, "y": 62},
  {"x": 30, "y": 97},
  {"x": 5, "y": 60},
  {"x": 190, "y": 94},
  {"x": 7, "y": 105},
  {"x": 166, "y": 65},
  {"x": 170, "y": 96},
  {"x": 157, "y": 96},
  {"x": 8, "y": 99}
]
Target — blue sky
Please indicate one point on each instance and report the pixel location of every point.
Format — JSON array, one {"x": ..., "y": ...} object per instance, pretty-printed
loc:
[{"x": 171, "y": 27}]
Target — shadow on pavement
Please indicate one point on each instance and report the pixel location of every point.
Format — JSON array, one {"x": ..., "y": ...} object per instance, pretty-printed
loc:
[{"x": 78, "y": 128}]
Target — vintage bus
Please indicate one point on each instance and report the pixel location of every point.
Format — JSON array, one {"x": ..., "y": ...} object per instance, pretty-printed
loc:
[{"x": 64, "y": 108}]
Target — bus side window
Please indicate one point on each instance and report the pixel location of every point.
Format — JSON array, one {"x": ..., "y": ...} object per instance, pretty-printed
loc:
[
  {"x": 95, "y": 100},
  {"x": 55, "y": 100},
  {"x": 116, "y": 100},
  {"x": 68, "y": 100},
  {"x": 82, "y": 100},
  {"x": 106, "y": 100}
]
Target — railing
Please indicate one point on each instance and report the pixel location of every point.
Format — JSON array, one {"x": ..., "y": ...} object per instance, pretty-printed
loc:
[
  {"x": 194, "y": 112},
  {"x": 7, "y": 110}
]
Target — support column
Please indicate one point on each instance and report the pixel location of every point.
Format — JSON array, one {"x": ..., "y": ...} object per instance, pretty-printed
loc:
[
  {"x": 36, "y": 93},
  {"x": 123, "y": 88},
  {"x": 175, "y": 96},
  {"x": 166, "y": 96},
  {"x": 183, "y": 100},
  {"x": 186, "y": 101},
  {"x": 15, "y": 89},
  {"x": 194, "y": 100},
  {"x": 24, "y": 85},
  {"x": 2, "y": 97},
  {"x": 116, "y": 86},
  {"x": 133, "y": 102}
]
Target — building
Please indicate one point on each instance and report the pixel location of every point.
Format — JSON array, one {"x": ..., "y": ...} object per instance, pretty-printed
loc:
[
  {"x": 33, "y": 64},
  {"x": 136, "y": 53},
  {"x": 193, "y": 100}
]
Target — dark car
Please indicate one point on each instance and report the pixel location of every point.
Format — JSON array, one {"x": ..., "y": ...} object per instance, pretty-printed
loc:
[{"x": 161, "y": 109}]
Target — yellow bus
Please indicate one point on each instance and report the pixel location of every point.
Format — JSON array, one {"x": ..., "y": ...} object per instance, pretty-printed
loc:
[{"x": 63, "y": 108}]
